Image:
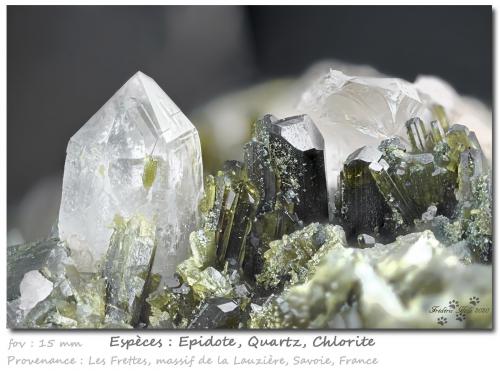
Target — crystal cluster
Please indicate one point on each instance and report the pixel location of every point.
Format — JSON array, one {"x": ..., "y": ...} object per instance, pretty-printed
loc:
[
  {"x": 270, "y": 242},
  {"x": 386, "y": 286}
]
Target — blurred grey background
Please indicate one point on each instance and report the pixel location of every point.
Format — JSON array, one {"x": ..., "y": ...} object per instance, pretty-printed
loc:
[{"x": 64, "y": 62}]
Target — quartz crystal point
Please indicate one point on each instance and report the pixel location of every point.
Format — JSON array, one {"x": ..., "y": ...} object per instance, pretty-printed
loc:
[
  {"x": 138, "y": 154},
  {"x": 364, "y": 109}
]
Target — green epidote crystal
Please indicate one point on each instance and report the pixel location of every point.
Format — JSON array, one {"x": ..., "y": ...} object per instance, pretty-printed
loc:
[
  {"x": 360, "y": 205},
  {"x": 111, "y": 298},
  {"x": 410, "y": 183},
  {"x": 150, "y": 170},
  {"x": 459, "y": 138},
  {"x": 127, "y": 269},
  {"x": 317, "y": 281},
  {"x": 297, "y": 151},
  {"x": 285, "y": 160},
  {"x": 259, "y": 163},
  {"x": 171, "y": 307},
  {"x": 229, "y": 207},
  {"x": 382, "y": 192},
  {"x": 386, "y": 286},
  {"x": 247, "y": 205},
  {"x": 291, "y": 258},
  {"x": 474, "y": 211}
]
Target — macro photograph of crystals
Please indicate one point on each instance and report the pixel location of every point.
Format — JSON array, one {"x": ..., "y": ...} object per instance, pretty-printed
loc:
[{"x": 233, "y": 167}]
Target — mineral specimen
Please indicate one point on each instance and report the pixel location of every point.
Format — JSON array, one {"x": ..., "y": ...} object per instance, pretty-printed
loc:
[
  {"x": 384, "y": 191},
  {"x": 33, "y": 271},
  {"x": 293, "y": 257},
  {"x": 365, "y": 110},
  {"x": 297, "y": 150},
  {"x": 249, "y": 204},
  {"x": 138, "y": 154},
  {"x": 285, "y": 161},
  {"x": 217, "y": 313},
  {"x": 127, "y": 269},
  {"x": 46, "y": 257},
  {"x": 357, "y": 187},
  {"x": 386, "y": 286},
  {"x": 410, "y": 229},
  {"x": 54, "y": 295}
]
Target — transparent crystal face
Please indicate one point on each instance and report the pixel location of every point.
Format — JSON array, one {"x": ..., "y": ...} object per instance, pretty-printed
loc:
[
  {"x": 138, "y": 155},
  {"x": 34, "y": 288},
  {"x": 365, "y": 110}
]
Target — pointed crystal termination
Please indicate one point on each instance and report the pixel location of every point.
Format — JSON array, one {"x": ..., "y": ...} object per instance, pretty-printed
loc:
[
  {"x": 417, "y": 134},
  {"x": 285, "y": 160},
  {"x": 364, "y": 109},
  {"x": 297, "y": 148},
  {"x": 459, "y": 138},
  {"x": 139, "y": 154},
  {"x": 127, "y": 269}
]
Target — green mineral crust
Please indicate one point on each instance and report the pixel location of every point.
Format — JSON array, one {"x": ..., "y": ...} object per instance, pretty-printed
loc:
[
  {"x": 386, "y": 286},
  {"x": 127, "y": 270},
  {"x": 409, "y": 237},
  {"x": 111, "y": 298},
  {"x": 295, "y": 256}
]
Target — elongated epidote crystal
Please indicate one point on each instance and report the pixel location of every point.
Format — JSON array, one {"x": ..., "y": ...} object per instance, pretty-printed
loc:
[{"x": 139, "y": 155}]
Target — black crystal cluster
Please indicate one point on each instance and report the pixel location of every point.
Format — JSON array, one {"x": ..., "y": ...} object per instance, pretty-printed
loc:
[
  {"x": 266, "y": 219},
  {"x": 278, "y": 189}
]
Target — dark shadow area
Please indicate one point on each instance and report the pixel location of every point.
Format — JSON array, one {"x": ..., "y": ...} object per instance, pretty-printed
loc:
[{"x": 65, "y": 62}]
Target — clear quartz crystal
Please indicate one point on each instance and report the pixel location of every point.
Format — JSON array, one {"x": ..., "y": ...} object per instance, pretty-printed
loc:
[
  {"x": 365, "y": 110},
  {"x": 138, "y": 155}
]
